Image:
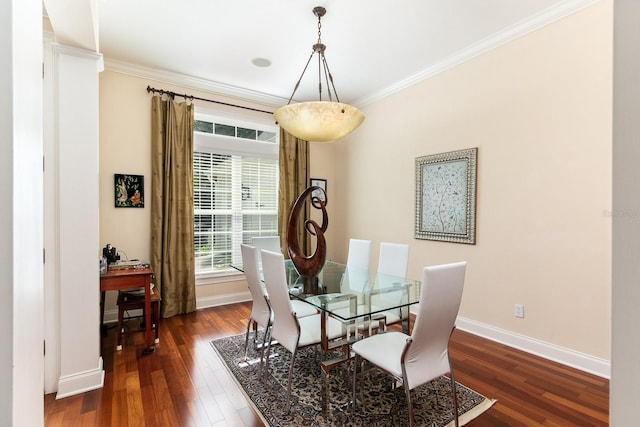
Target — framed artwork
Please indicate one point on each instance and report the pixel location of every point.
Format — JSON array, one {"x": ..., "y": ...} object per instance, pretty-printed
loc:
[
  {"x": 446, "y": 196},
  {"x": 322, "y": 183},
  {"x": 128, "y": 190}
]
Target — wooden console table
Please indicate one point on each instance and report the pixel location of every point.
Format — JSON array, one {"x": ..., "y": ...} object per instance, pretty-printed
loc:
[{"x": 118, "y": 280}]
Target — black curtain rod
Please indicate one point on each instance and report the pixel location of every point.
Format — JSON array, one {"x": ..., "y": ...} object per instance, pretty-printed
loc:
[{"x": 191, "y": 97}]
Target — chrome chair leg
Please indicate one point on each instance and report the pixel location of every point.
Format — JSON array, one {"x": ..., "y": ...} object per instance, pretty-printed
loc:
[
  {"x": 246, "y": 339},
  {"x": 412, "y": 421},
  {"x": 255, "y": 335},
  {"x": 266, "y": 362},
  {"x": 267, "y": 333},
  {"x": 453, "y": 393},
  {"x": 355, "y": 379},
  {"x": 293, "y": 355}
]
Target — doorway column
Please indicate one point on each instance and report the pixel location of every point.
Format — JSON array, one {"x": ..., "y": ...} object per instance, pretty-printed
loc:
[{"x": 76, "y": 204}]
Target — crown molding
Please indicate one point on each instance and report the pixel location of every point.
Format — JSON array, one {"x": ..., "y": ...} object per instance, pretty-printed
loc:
[
  {"x": 520, "y": 29},
  {"x": 192, "y": 82}
]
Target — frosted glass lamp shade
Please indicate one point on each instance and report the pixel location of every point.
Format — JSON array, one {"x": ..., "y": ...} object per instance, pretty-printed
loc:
[{"x": 319, "y": 121}]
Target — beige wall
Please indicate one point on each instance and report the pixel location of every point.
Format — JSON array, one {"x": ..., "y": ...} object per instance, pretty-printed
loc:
[{"x": 539, "y": 111}]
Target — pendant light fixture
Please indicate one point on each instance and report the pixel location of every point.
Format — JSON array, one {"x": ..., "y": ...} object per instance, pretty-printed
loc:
[{"x": 319, "y": 121}]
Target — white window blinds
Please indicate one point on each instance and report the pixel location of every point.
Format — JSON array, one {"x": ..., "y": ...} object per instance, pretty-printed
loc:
[{"x": 235, "y": 198}]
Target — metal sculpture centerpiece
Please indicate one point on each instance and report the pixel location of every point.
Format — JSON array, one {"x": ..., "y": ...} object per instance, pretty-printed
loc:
[{"x": 308, "y": 266}]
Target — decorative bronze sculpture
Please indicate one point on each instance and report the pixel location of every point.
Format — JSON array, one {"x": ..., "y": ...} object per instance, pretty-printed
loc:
[{"x": 308, "y": 266}]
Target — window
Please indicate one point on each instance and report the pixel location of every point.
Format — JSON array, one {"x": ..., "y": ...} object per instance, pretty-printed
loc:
[{"x": 235, "y": 183}]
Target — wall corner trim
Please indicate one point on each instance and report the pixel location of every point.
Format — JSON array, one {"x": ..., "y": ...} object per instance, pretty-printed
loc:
[{"x": 81, "y": 382}]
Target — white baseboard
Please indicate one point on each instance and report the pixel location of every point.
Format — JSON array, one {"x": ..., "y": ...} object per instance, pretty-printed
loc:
[
  {"x": 216, "y": 301},
  {"x": 584, "y": 362},
  {"x": 81, "y": 382}
]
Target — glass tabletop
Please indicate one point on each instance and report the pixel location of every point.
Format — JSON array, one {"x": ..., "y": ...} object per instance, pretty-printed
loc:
[{"x": 351, "y": 293}]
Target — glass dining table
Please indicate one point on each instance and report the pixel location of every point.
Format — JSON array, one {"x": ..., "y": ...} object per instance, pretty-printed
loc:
[{"x": 363, "y": 301}]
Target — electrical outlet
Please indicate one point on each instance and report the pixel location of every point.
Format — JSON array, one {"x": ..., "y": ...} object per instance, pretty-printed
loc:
[{"x": 518, "y": 310}]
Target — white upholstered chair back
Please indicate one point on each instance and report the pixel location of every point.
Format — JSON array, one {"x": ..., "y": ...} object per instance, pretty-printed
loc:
[
  {"x": 393, "y": 259},
  {"x": 260, "y": 311},
  {"x": 359, "y": 253},
  {"x": 441, "y": 293},
  {"x": 269, "y": 243},
  {"x": 392, "y": 265},
  {"x": 285, "y": 329}
]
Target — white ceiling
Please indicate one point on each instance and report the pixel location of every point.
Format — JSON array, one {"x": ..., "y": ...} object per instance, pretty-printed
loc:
[{"x": 374, "y": 47}]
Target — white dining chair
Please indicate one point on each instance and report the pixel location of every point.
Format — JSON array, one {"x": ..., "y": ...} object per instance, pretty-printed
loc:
[
  {"x": 356, "y": 275},
  {"x": 424, "y": 355},
  {"x": 354, "y": 281},
  {"x": 393, "y": 259},
  {"x": 355, "y": 278},
  {"x": 359, "y": 253},
  {"x": 269, "y": 243},
  {"x": 256, "y": 285},
  {"x": 392, "y": 264},
  {"x": 291, "y": 331},
  {"x": 261, "y": 315}
]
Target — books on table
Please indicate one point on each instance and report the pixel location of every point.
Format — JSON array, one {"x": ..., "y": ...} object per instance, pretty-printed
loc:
[{"x": 128, "y": 265}]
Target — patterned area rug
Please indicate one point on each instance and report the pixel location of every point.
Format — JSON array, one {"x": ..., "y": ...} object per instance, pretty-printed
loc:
[{"x": 379, "y": 404}]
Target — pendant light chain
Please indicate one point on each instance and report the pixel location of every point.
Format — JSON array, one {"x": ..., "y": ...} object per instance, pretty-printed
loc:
[
  {"x": 327, "y": 74},
  {"x": 319, "y": 47},
  {"x": 323, "y": 66}
]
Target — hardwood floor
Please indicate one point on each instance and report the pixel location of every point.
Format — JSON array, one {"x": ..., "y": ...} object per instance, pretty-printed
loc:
[{"x": 184, "y": 383}]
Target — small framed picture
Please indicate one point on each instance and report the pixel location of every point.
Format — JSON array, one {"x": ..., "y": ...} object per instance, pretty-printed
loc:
[
  {"x": 128, "y": 190},
  {"x": 322, "y": 183}
]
